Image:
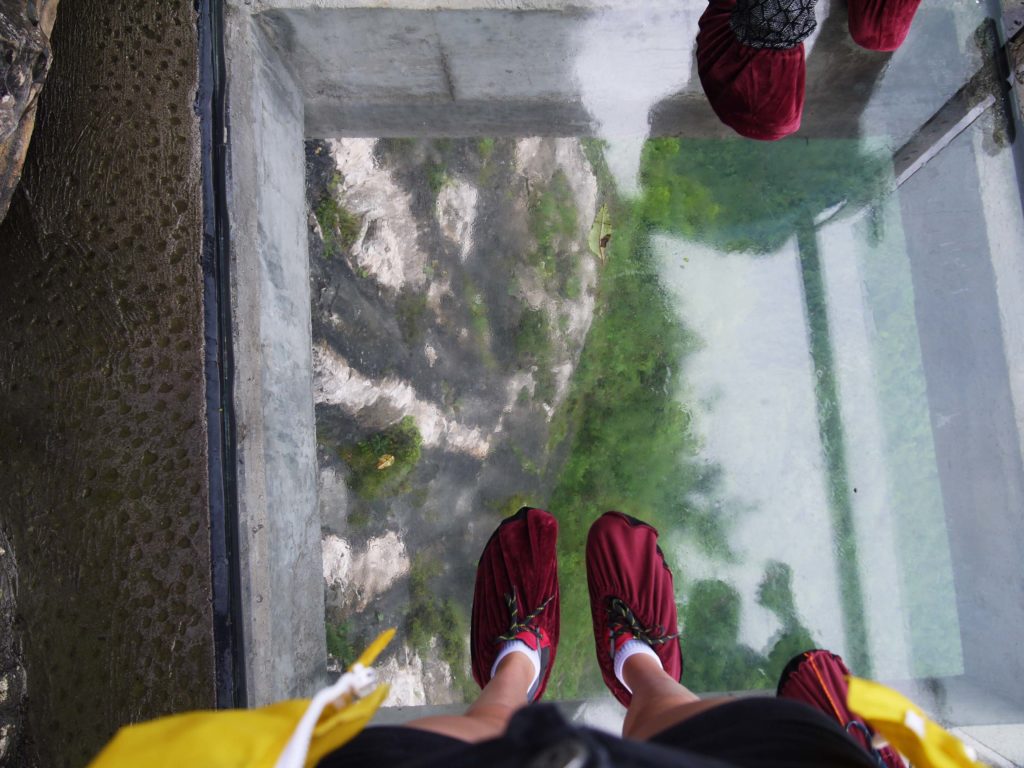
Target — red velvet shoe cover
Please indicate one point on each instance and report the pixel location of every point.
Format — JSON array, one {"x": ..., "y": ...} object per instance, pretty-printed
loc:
[
  {"x": 517, "y": 591},
  {"x": 819, "y": 678},
  {"x": 625, "y": 562},
  {"x": 881, "y": 25},
  {"x": 758, "y": 92}
]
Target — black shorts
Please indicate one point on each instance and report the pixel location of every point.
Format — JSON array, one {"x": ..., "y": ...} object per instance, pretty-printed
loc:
[{"x": 745, "y": 733}]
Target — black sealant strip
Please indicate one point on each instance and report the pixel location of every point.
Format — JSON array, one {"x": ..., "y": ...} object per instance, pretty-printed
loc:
[{"x": 226, "y": 574}]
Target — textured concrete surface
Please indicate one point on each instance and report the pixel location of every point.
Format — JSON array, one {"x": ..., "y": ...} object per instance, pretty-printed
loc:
[
  {"x": 283, "y": 601},
  {"x": 102, "y": 411}
]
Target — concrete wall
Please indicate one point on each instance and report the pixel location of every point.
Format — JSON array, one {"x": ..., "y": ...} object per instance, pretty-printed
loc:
[
  {"x": 285, "y": 653},
  {"x": 379, "y": 71}
]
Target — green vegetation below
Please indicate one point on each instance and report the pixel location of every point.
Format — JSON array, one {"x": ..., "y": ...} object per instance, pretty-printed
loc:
[
  {"x": 380, "y": 463},
  {"x": 830, "y": 428},
  {"x": 412, "y": 315},
  {"x": 437, "y": 176},
  {"x": 533, "y": 348},
  {"x": 630, "y": 442},
  {"x": 426, "y": 161},
  {"x": 714, "y": 659},
  {"x": 340, "y": 227},
  {"x": 343, "y": 644},
  {"x": 754, "y": 197},
  {"x": 431, "y": 620},
  {"x": 751, "y": 196},
  {"x": 479, "y": 322},
  {"x": 553, "y": 222},
  {"x": 485, "y": 148}
]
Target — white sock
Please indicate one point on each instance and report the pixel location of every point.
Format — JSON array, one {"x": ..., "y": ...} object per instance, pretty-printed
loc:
[
  {"x": 629, "y": 648},
  {"x": 518, "y": 646}
]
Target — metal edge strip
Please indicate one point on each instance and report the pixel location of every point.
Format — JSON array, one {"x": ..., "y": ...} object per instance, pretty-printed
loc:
[{"x": 211, "y": 100}]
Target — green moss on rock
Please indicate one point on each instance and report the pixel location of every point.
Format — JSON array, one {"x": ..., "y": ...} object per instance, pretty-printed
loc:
[{"x": 382, "y": 461}]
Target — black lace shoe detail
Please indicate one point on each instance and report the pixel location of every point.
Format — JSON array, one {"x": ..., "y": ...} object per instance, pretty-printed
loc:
[
  {"x": 526, "y": 624},
  {"x": 622, "y": 621},
  {"x": 777, "y": 24}
]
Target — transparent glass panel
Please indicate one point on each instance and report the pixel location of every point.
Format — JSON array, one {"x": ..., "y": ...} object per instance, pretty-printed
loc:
[{"x": 801, "y": 361}]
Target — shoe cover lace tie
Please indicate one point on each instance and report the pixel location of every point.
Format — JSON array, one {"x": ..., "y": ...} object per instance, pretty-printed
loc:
[
  {"x": 525, "y": 624},
  {"x": 623, "y": 621}
]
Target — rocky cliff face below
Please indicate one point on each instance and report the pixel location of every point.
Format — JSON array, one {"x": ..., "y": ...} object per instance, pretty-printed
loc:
[{"x": 452, "y": 286}]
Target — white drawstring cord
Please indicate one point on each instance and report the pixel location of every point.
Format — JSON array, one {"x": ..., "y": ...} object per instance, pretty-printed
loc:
[{"x": 354, "y": 684}]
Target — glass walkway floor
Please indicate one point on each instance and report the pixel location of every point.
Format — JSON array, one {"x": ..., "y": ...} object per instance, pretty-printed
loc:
[{"x": 802, "y": 361}]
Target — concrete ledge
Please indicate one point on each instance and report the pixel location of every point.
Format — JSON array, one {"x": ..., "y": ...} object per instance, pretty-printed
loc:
[
  {"x": 460, "y": 68},
  {"x": 259, "y": 6},
  {"x": 283, "y": 605}
]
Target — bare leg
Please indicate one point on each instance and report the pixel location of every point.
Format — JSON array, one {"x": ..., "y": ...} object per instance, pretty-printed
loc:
[
  {"x": 488, "y": 716},
  {"x": 659, "y": 702}
]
